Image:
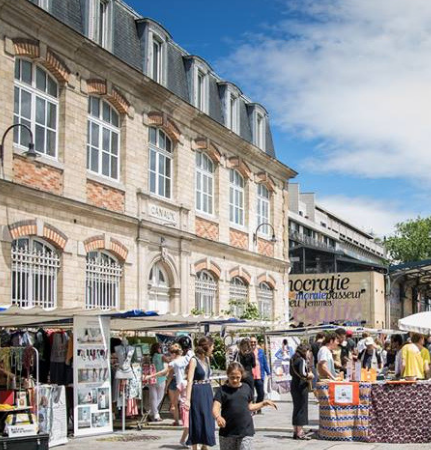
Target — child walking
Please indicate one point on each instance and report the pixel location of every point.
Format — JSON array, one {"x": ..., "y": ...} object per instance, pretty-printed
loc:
[{"x": 233, "y": 405}]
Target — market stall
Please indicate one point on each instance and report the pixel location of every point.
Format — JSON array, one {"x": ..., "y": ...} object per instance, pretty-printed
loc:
[{"x": 391, "y": 411}]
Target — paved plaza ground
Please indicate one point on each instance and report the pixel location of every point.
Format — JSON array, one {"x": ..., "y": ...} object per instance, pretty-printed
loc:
[{"x": 273, "y": 431}]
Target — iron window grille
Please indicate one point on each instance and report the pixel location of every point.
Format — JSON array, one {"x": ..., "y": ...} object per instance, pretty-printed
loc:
[
  {"x": 35, "y": 267},
  {"x": 103, "y": 276}
]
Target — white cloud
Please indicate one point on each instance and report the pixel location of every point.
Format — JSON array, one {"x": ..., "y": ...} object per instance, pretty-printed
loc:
[
  {"x": 355, "y": 74},
  {"x": 365, "y": 213}
]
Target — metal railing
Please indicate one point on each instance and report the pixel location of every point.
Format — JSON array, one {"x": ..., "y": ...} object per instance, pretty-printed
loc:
[{"x": 304, "y": 239}]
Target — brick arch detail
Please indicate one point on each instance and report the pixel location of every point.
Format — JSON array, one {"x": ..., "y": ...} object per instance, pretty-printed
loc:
[
  {"x": 205, "y": 145},
  {"x": 53, "y": 63},
  {"x": 96, "y": 86},
  {"x": 238, "y": 164},
  {"x": 207, "y": 264},
  {"x": 265, "y": 278},
  {"x": 23, "y": 228},
  {"x": 55, "y": 236},
  {"x": 162, "y": 121},
  {"x": 119, "y": 249},
  {"x": 114, "y": 246},
  {"x": 241, "y": 273},
  {"x": 266, "y": 180},
  {"x": 94, "y": 243},
  {"x": 26, "y": 47}
]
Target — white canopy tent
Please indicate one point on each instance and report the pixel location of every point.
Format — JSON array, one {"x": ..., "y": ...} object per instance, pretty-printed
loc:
[{"x": 417, "y": 323}]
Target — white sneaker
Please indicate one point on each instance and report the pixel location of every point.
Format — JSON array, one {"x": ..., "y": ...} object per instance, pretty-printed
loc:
[{"x": 183, "y": 444}]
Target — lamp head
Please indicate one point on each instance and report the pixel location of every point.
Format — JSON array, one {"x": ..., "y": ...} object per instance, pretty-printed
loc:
[
  {"x": 31, "y": 153},
  {"x": 273, "y": 238}
]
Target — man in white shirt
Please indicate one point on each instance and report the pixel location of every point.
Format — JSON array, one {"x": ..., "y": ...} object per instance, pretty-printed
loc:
[{"x": 325, "y": 361}]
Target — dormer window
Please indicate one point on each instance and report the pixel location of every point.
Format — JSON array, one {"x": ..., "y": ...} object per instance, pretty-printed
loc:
[
  {"x": 260, "y": 136},
  {"x": 44, "y": 4},
  {"x": 258, "y": 122},
  {"x": 201, "y": 90},
  {"x": 157, "y": 60},
  {"x": 99, "y": 22},
  {"x": 233, "y": 113}
]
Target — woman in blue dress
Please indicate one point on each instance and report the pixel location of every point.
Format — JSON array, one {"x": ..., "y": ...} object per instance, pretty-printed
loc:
[{"x": 199, "y": 397}]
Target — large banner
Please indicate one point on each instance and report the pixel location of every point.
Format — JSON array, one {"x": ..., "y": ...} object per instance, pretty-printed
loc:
[
  {"x": 92, "y": 377},
  {"x": 282, "y": 349},
  {"x": 352, "y": 298}
]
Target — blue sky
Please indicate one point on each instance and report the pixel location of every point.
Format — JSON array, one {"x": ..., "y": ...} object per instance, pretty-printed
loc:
[{"x": 347, "y": 86}]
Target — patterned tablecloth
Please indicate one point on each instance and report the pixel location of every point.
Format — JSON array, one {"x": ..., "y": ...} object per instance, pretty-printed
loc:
[
  {"x": 393, "y": 413},
  {"x": 343, "y": 423},
  {"x": 399, "y": 413}
]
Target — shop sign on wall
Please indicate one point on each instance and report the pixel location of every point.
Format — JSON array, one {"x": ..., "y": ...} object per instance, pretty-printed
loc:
[
  {"x": 92, "y": 377},
  {"x": 164, "y": 214}
]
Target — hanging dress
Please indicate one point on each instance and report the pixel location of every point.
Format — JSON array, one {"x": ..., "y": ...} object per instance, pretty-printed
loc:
[{"x": 201, "y": 422}]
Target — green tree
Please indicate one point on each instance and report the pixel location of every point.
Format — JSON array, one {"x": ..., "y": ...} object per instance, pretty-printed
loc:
[{"x": 411, "y": 241}]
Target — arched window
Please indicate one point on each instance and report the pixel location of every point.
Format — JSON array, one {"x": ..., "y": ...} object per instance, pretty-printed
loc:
[
  {"x": 35, "y": 105},
  {"x": 265, "y": 300},
  {"x": 205, "y": 292},
  {"x": 35, "y": 266},
  {"x": 238, "y": 296},
  {"x": 204, "y": 183},
  {"x": 160, "y": 163},
  {"x": 103, "y": 276},
  {"x": 159, "y": 299},
  {"x": 236, "y": 198},
  {"x": 263, "y": 202},
  {"x": 103, "y": 137}
]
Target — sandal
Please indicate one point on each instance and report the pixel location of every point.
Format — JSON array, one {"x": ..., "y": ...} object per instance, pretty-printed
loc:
[{"x": 303, "y": 437}]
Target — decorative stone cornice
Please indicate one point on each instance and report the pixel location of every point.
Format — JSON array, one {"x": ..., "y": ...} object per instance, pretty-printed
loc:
[
  {"x": 266, "y": 180},
  {"x": 158, "y": 119},
  {"x": 238, "y": 164},
  {"x": 241, "y": 273},
  {"x": 205, "y": 145},
  {"x": 207, "y": 264},
  {"x": 266, "y": 278}
]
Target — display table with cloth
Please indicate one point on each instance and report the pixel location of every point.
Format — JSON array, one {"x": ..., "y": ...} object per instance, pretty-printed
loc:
[{"x": 386, "y": 412}]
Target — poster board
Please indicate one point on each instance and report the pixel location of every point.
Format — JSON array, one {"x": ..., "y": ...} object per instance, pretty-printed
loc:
[
  {"x": 92, "y": 376},
  {"x": 53, "y": 413},
  {"x": 344, "y": 394},
  {"x": 282, "y": 350}
]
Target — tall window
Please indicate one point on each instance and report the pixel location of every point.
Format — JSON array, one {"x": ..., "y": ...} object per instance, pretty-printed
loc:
[
  {"x": 160, "y": 163},
  {"x": 265, "y": 301},
  {"x": 260, "y": 131},
  {"x": 238, "y": 296},
  {"x": 103, "y": 276},
  {"x": 205, "y": 292},
  {"x": 157, "y": 60},
  {"x": 158, "y": 290},
  {"x": 204, "y": 183},
  {"x": 201, "y": 90},
  {"x": 103, "y": 135},
  {"x": 102, "y": 23},
  {"x": 263, "y": 202},
  {"x": 233, "y": 111},
  {"x": 36, "y": 105},
  {"x": 35, "y": 266},
  {"x": 236, "y": 198}
]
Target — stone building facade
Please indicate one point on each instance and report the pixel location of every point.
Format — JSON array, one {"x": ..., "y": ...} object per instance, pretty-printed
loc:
[{"x": 153, "y": 174}]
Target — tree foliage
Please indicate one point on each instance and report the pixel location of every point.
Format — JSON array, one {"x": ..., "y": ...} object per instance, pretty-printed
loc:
[{"x": 411, "y": 241}]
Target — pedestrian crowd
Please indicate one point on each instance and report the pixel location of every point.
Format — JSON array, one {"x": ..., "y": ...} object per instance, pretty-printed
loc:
[{"x": 185, "y": 375}]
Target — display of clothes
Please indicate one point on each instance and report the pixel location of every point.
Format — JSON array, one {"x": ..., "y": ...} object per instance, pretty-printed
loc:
[{"x": 57, "y": 371}]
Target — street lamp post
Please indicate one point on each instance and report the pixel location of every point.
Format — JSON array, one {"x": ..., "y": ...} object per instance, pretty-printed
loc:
[
  {"x": 273, "y": 238},
  {"x": 30, "y": 153}
]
